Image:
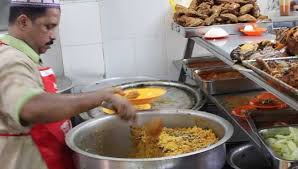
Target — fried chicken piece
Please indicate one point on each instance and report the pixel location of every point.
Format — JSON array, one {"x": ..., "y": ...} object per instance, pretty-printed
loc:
[
  {"x": 181, "y": 10},
  {"x": 246, "y": 18},
  {"x": 194, "y": 4},
  {"x": 246, "y": 9},
  {"x": 263, "y": 17},
  {"x": 190, "y": 21},
  {"x": 204, "y": 9},
  {"x": 219, "y": 20},
  {"x": 232, "y": 8},
  {"x": 256, "y": 11},
  {"x": 210, "y": 2},
  {"x": 243, "y": 2},
  {"x": 229, "y": 17},
  {"x": 210, "y": 20},
  {"x": 216, "y": 9}
]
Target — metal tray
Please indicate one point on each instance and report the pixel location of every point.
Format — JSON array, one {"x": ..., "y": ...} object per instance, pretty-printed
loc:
[
  {"x": 232, "y": 29},
  {"x": 266, "y": 123},
  {"x": 272, "y": 81},
  {"x": 232, "y": 85},
  {"x": 201, "y": 63}
]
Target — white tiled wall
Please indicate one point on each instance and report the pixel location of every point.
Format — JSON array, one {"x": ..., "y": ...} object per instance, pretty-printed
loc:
[
  {"x": 121, "y": 38},
  {"x": 137, "y": 32},
  {"x": 81, "y": 41}
]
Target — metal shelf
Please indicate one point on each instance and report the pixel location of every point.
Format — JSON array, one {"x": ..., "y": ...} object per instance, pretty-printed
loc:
[{"x": 223, "y": 53}]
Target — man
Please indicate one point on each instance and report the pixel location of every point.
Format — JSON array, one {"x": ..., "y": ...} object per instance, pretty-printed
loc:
[{"x": 32, "y": 121}]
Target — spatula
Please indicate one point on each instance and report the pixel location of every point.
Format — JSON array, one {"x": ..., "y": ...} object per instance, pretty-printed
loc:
[{"x": 154, "y": 127}]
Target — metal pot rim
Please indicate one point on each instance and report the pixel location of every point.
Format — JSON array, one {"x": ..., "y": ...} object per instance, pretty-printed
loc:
[{"x": 227, "y": 127}]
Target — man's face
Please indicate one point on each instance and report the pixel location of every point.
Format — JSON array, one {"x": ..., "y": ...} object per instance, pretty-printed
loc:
[{"x": 41, "y": 33}]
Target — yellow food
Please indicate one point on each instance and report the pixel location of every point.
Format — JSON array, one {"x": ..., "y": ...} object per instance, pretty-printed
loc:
[
  {"x": 171, "y": 141},
  {"x": 145, "y": 95},
  {"x": 138, "y": 107}
]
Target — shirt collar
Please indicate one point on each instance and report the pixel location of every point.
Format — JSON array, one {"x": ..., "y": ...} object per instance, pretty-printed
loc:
[{"x": 21, "y": 46}]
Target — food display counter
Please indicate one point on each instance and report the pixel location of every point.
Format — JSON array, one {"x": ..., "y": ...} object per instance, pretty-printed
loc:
[{"x": 221, "y": 49}]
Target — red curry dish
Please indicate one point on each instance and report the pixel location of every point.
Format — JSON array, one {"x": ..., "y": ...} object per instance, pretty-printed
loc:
[{"x": 223, "y": 75}]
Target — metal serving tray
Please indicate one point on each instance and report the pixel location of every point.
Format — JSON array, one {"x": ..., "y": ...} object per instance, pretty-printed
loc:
[
  {"x": 274, "y": 82},
  {"x": 269, "y": 123},
  {"x": 232, "y": 29},
  {"x": 231, "y": 85},
  {"x": 200, "y": 63}
]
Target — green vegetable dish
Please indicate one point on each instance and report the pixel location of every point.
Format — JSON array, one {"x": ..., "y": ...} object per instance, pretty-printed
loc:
[{"x": 283, "y": 141}]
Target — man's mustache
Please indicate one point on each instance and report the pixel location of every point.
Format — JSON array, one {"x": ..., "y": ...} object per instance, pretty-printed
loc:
[{"x": 50, "y": 43}]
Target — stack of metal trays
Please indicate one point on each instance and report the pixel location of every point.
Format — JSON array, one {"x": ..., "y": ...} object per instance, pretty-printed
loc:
[
  {"x": 272, "y": 123},
  {"x": 273, "y": 81}
]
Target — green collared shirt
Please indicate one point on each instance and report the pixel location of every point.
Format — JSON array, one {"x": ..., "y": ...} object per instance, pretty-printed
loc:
[{"x": 21, "y": 46}]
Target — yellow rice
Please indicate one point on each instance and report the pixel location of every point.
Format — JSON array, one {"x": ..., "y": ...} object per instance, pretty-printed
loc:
[{"x": 171, "y": 141}]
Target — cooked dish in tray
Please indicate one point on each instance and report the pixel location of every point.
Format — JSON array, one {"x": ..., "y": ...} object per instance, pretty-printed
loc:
[
  {"x": 205, "y": 64},
  {"x": 267, "y": 100},
  {"x": 223, "y": 75},
  {"x": 285, "y": 44},
  {"x": 171, "y": 141},
  {"x": 261, "y": 50},
  {"x": 283, "y": 141},
  {"x": 286, "y": 71}
]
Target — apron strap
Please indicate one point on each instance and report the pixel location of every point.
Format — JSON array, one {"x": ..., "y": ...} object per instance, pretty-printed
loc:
[{"x": 14, "y": 135}]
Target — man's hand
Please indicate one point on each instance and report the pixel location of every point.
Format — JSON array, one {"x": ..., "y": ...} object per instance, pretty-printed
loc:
[{"x": 121, "y": 105}]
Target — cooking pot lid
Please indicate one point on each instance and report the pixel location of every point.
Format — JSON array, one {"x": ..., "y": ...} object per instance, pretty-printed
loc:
[{"x": 178, "y": 95}]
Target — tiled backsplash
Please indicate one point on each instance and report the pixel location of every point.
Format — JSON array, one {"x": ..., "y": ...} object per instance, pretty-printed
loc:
[{"x": 136, "y": 38}]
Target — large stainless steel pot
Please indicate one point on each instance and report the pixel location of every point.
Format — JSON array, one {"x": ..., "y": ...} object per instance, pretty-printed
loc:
[{"x": 104, "y": 143}]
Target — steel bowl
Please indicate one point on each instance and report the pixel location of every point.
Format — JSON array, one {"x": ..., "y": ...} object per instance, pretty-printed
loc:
[
  {"x": 247, "y": 156},
  {"x": 104, "y": 143}
]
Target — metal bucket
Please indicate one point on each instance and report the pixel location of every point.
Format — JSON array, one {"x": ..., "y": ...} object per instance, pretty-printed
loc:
[{"x": 104, "y": 143}]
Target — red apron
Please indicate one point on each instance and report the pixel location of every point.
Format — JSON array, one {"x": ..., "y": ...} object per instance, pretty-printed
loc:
[{"x": 49, "y": 138}]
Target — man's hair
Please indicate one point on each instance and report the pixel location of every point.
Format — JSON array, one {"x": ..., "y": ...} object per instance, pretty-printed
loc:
[{"x": 32, "y": 12}]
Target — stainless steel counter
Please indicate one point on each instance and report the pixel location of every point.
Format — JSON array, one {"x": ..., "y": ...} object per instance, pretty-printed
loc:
[{"x": 222, "y": 48}]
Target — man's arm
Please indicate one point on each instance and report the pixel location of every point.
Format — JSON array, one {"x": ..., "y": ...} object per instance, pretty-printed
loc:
[{"x": 46, "y": 107}]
